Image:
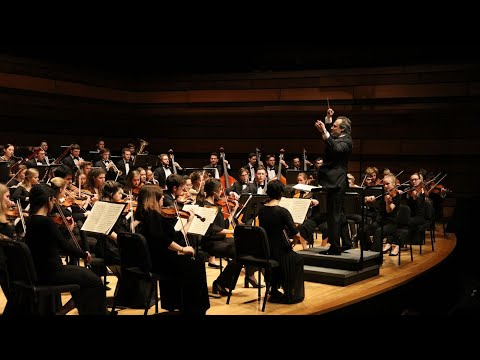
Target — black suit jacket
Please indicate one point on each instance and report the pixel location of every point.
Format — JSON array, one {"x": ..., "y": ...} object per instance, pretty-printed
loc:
[
  {"x": 333, "y": 172},
  {"x": 33, "y": 163},
  {"x": 111, "y": 174},
  {"x": 68, "y": 161},
  {"x": 159, "y": 175},
  {"x": 121, "y": 166}
]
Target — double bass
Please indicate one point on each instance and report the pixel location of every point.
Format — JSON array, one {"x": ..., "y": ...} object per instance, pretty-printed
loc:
[
  {"x": 226, "y": 180},
  {"x": 279, "y": 173}
]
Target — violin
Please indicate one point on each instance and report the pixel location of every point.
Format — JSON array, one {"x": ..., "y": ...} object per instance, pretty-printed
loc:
[
  {"x": 14, "y": 213},
  {"x": 171, "y": 213},
  {"x": 414, "y": 192},
  {"x": 223, "y": 202},
  {"x": 57, "y": 219},
  {"x": 392, "y": 193}
]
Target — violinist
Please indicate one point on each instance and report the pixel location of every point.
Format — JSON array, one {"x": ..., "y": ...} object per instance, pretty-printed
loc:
[
  {"x": 20, "y": 176},
  {"x": 106, "y": 246},
  {"x": 59, "y": 186},
  {"x": 175, "y": 188},
  {"x": 351, "y": 181},
  {"x": 95, "y": 181},
  {"x": 22, "y": 192},
  {"x": 301, "y": 179},
  {"x": 187, "y": 198},
  {"x": 275, "y": 219},
  {"x": 415, "y": 198},
  {"x": 46, "y": 243},
  {"x": 385, "y": 222},
  {"x": 80, "y": 180},
  {"x": 76, "y": 203},
  {"x": 143, "y": 175},
  {"x": 171, "y": 256},
  {"x": 215, "y": 240},
  {"x": 6, "y": 229},
  {"x": 133, "y": 183},
  {"x": 372, "y": 177}
]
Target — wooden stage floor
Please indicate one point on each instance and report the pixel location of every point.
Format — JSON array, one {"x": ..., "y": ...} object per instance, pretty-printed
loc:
[{"x": 319, "y": 298}]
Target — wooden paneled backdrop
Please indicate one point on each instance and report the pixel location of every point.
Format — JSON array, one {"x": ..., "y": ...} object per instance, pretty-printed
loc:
[{"x": 404, "y": 118}]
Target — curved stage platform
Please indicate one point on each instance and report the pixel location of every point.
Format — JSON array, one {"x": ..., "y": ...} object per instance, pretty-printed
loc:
[{"x": 321, "y": 298}]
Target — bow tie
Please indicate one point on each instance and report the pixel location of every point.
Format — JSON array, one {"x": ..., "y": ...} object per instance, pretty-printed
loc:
[
  {"x": 261, "y": 186},
  {"x": 76, "y": 158}
]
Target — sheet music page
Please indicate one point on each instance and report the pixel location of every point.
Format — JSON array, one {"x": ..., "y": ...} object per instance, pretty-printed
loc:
[
  {"x": 198, "y": 226},
  {"x": 103, "y": 217},
  {"x": 303, "y": 187},
  {"x": 297, "y": 207}
]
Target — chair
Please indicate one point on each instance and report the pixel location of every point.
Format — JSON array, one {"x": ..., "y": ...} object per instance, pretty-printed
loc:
[
  {"x": 252, "y": 249},
  {"x": 403, "y": 231},
  {"x": 22, "y": 279},
  {"x": 429, "y": 222},
  {"x": 135, "y": 261}
]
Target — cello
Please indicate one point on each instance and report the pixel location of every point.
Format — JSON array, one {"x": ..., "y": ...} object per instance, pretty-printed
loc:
[
  {"x": 279, "y": 173},
  {"x": 172, "y": 160}
]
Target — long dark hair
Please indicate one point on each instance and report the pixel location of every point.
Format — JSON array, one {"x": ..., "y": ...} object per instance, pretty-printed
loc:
[{"x": 40, "y": 195}]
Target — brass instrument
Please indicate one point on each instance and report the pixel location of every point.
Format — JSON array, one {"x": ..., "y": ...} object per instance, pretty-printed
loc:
[
  {"x": 112, "y": 164},
  {"x": 143, "y": 144}
]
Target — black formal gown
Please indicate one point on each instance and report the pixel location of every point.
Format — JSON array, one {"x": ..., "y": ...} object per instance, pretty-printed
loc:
[
  {"x": 183, "y": 272},
  {"x": 275, "y": 219},
  {"x": 46, "y": 242}
]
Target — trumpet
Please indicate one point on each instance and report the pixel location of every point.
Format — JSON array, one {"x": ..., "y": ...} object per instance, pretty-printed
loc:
[{"x": 112, "y": 164}]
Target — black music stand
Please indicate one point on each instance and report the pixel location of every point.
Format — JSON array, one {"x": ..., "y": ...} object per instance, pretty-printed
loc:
[
  {"x": 250, "y": 205},
  {"x": 4, "y": 172},
  {"x": 141, "y": 160},
  {"x": 292, "y": 175},
  {"x": 44, "y": 170},
  {"x": 320, "y": 194}
]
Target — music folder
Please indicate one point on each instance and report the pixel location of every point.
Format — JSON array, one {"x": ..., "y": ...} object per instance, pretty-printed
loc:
[{"x": 4, "y": 172}]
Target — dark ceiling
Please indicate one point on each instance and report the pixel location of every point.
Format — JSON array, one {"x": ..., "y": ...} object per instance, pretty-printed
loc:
[{"x": 144, "y": 59}]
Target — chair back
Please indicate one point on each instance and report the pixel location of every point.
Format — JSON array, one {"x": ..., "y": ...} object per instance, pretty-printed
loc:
[
  {"x": 251, "y": 241},
  {"x": 134, "y": 252},
  {"x": 352, "y": 203},
  {"x": 429, "y": 212},
  {"x": 19, "y": 261}
]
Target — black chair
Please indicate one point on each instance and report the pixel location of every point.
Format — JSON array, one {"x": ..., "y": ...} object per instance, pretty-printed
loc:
[
  {"x": 252, "y": 249},
  {"x": 135, "y": 261},
  {"x": 403, "y": 231},
  {"x": 429, "y": 222},
  {"x": 22, "y": 280}
]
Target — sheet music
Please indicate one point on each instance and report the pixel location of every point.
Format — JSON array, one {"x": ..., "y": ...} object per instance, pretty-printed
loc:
[
  {"x": 198, "y": 226},
  {"x": 303, "y": 187},
  {"x": 297, "y": 207},
  {"x": 103, "y": 217}
]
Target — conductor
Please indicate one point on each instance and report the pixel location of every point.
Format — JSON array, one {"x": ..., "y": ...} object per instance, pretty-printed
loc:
[{"x": 333, "y": 176}]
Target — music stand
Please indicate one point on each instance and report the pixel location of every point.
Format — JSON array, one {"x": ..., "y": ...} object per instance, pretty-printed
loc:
[
  {"x": 4, "y": 172},
  {"x": 292, "y": 175},
  {"x": 320, "y": 194},
  {"x": 44, "y": 170},
  {"x": 140, "y": 160},
  {"x": 251, "y": 204}
]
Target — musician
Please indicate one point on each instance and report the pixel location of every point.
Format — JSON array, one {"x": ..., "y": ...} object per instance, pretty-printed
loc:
[
  {"x": 125, "y": 165},
  {"x": 318, "y": 163},
  {"x": 385, "y": 222},
  {"x": 13, "y": 183},
  {"x": 131, "y": 147},
  {"x": 150, "y": 180},
  {"x": 251, "y": 167},
  {"x": 6, "y": 229},
  {"x": 95, "y": 181},
  {"x": 351, "y": 181},
  {"x": 39, "y": 159},
  {"x": 216, "y": 242},
  {"x": 22, "y": 192},
  {"x": 133, "y": 183},
  {"x": 272, "y": 170},
  {"x": 372, "y": 177},
  {"x": 416, "y": 201},
  {"x": 297, "y": 165},
  {"x": 8, "y": 151},
  {"x": 242, "y": 186},
  {"x": 44, "y": 147},
  {"x": 143, "y": 175},
  {"x": 163, "y": 171},
  {"x": 73, "y": 161},
  {"x": 259, "y": 186},
  {"x": 275, "y": 219},
  {"x": 106, "y": 164},
  {"x": 214, "y": 164},
  {"x": 172, "y": 257},
  {"x": 46, "y": 242},
  {"x": 100, "y": 145},
  {"x": 80, "y": 179},
  {"x": 175, "y": 188},
  {"x": 86, "y": 167},
  {"x": 332, "y": 175}
]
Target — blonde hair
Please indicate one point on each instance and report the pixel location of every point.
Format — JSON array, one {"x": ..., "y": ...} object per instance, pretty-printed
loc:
[
  {"x": 57, "y": 183},
  {"x": 29, "y": 175}
]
